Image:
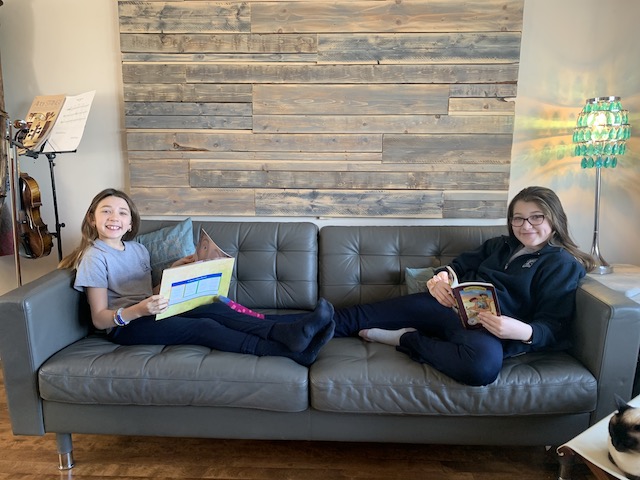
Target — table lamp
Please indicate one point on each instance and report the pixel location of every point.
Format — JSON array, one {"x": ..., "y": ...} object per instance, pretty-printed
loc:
[{"x": 600, "y": 137}]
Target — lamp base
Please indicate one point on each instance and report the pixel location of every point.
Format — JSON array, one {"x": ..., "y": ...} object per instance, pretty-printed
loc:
[{"x": 602, "y": 269}]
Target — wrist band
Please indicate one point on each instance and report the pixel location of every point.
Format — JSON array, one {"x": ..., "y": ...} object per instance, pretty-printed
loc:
[{"x": 117, "y": 318}]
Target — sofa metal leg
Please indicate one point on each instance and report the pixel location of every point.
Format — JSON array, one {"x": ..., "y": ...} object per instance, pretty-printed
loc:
[{"x": 65, "y": 451}]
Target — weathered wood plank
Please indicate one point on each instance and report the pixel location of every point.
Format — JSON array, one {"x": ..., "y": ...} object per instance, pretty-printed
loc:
[
  {"x": 342, "y": 166},
  {"x": 239, "y": 157},
  {"x": 426, "y": 48},
  {"x": 174, "y": 115},
  {"x": 349, "y": 99},
  {"x": 226, "y": 43},
  {"x": 350, "y": 180},
  {"x": 475, "y": 209},
  {"x": 190, "y": 122},
  {"x": 154, "y": 73},
  {"x": 168, "y": 173},
  {"x": 346, "y": 74},
  {"x": 187, "y": 93},
  {"x": 345, "y": 203},
  {"x": 447, "y": 148},
  {"x": 465, "y": 195},
  {"x": 481, "y": 106},
  {"x": 223, "y": 141},
  {"x": 187, "y": 108},
  {"x": 193, "y": 201},
  {"x": 482, "y": 90},
  {"x": 388, "y": 16},
  {"x": 311, "y": 58},
  {"x": 473, "y": 204},
  {"x": 184, "y": 17},
  {"x": 383, "y": 124}
]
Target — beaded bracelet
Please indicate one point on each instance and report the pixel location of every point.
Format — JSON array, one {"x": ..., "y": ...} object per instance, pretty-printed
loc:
[{"x": 117, "y": 318}]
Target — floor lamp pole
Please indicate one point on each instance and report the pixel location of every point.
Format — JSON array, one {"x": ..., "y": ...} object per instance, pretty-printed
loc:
[{"x": 602, "y": 267}]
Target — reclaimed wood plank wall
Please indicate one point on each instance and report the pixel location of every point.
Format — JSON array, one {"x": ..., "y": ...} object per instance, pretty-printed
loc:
[{"x": 354, "y": 108}]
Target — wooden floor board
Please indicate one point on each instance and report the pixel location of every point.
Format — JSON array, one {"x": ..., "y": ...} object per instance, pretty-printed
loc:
[{"x": 110, "y": 457}]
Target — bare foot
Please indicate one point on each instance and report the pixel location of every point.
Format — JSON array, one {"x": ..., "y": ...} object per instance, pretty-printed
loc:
[{"x": 388, "y": 337}]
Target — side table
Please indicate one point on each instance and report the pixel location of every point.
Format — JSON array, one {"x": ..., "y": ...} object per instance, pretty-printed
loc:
[
  {"x": 592, "y": 446},
  {"x": 625, "y": 279}
]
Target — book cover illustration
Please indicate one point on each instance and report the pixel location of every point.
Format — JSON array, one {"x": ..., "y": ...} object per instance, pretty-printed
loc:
[
  {"x": 473, "y": 298},
  {"x": 198, "y": 283},
  {"x": 42, "y": 114}
]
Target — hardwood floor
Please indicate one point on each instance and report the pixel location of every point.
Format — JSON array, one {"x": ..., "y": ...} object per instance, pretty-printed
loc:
[{"x": 101, "y": 457}]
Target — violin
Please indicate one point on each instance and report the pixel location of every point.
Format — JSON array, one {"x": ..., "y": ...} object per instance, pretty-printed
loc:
[{"x": 35, "y": 240}]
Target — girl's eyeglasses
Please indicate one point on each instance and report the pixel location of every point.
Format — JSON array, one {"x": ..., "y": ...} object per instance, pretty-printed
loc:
[{"x": 533, "y": 220}]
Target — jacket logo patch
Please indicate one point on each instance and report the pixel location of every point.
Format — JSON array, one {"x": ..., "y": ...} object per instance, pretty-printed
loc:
[{"x": 529, "y": 263}]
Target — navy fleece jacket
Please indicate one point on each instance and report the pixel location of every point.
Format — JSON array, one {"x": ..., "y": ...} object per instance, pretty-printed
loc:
[{"x": 537, "y": 288}]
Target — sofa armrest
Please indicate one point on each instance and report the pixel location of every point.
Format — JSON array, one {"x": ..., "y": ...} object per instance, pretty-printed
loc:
[
  {"x": 607, "y": 341},
  {"x": 36, "y": 320}
]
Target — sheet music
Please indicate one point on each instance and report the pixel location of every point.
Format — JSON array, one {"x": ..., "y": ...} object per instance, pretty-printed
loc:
[{"x": 68, "y": 129}]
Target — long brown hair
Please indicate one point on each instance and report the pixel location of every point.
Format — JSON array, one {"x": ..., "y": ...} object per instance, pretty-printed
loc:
[
  {"x": 89, "y": 231},
  {"x": 551, "y": 207}
]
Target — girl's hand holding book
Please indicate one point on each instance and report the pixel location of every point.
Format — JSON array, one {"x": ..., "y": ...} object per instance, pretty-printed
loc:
[
  {"x": 504, "y": 327},
  {"x": 153, "y": 305},
  {"x": 440, "y": 289}
]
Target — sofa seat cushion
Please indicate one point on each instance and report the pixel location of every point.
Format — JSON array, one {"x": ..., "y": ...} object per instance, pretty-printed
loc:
[
  {"x": 351, "y": 375},
  {"x": 96, "y": 371}
]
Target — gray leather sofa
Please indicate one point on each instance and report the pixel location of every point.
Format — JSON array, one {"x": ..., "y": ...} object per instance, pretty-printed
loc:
[{"x": 62, "y": 378}]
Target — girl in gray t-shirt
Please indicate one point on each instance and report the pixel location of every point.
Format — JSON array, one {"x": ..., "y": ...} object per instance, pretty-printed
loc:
[{"x": 115, "y": 274}]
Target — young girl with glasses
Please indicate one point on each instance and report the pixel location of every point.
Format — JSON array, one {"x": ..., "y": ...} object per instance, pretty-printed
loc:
[{"x": 535, "y": 269}]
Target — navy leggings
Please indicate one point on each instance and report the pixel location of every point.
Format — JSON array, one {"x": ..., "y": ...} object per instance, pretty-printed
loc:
[
  {"x": 473, "y": 357},
  {"x": 214, "y": 325}
]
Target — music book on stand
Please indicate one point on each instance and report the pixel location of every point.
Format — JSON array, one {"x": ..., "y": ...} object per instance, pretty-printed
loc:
[{"x": 56, "y": 122}]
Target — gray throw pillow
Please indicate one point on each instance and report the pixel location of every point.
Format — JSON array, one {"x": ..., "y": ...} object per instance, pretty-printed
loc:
[
  {"x": 416, "y": 279},
  {"x": 167, "y": 245}
]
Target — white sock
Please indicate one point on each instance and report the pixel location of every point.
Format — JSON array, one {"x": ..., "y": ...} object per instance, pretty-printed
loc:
[{"x": 388, "y": 337}]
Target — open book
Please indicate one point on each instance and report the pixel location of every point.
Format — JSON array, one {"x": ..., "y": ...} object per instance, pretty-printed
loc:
[
  {"x": 473, "y": 298},
  {"x": 198, "y": 283},
  {"x": 56, "y": 122}
]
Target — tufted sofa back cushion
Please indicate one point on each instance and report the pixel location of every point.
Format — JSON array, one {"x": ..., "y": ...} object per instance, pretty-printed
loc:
[
  {"x": 367, "y": 263},
  {"x": 276, "y": 262}
]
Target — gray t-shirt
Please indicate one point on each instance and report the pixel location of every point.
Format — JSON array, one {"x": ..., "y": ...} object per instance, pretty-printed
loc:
[{"x": 126, "y": 274}]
